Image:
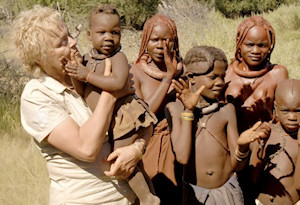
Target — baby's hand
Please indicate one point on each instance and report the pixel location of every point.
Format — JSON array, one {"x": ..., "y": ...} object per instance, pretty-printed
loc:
[
  {"x": 75, "y": 69},
  {"x": 259, "y": 131},
  {"x": 185, "y": 95}
]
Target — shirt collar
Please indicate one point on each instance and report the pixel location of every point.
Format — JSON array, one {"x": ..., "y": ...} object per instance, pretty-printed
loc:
[{"x": 52, "y": 84}]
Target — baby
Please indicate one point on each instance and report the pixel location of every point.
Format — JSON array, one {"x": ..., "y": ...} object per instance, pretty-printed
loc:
[{"x": 133, "y": 121}]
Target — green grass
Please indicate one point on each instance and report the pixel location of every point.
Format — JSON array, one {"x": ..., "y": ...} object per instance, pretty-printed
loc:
[{"x": 23, "y": 175}]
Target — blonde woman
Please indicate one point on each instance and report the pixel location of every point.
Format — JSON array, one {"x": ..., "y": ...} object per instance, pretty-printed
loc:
[{"x": 70, "y": 137}]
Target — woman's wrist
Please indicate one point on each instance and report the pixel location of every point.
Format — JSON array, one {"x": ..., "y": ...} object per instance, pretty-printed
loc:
[
  {"x": 140, "y": 146},
  {"x": 109, "y": 97}
]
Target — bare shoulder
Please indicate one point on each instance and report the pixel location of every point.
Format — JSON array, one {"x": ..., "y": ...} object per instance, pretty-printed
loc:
[
  {"x": 279, "y": 72},
  {"x": 119, "y": 58},
  {"x": 227, "y": 108},
  {"x": 136, "y": 71}
]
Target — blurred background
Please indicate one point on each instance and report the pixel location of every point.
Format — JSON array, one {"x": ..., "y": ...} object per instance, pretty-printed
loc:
[{"x": 23, "y": 174}]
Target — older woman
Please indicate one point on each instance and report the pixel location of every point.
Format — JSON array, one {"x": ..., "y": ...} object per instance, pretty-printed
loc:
[{"x": 70, "y": 137}]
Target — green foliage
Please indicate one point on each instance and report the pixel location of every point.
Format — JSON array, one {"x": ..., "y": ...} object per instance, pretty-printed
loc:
[
  {"x": 235, "y": 8},
  {"x": 133, "y": 13},
  {"x": 136, "y": 12}
]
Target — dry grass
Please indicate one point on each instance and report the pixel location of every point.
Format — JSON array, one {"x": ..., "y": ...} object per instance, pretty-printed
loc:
[{"x": 23, "y": 175}]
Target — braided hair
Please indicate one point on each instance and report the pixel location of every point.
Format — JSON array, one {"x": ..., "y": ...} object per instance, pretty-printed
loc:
[
  {"x": 245, "y": 26},
  {"x": 148, "y": 27}
]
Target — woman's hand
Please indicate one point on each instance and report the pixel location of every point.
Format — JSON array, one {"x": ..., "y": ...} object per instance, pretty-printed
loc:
[
  {"x": 123, "y": 161},
  {"x": 170, "y": 59},
  {"x": 185, "y": 95}
]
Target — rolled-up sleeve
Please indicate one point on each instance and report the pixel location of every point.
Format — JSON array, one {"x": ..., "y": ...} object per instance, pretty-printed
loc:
[{"x": 41, "y": 110}]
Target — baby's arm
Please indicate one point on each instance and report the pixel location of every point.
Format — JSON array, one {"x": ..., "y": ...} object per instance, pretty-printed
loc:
[
  {"x": 77, "y": 72},
  {"x": 118, "y": 79}
]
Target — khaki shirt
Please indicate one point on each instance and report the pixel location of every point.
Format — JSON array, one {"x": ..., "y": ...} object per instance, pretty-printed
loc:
[{"x": 45, "y": 103}]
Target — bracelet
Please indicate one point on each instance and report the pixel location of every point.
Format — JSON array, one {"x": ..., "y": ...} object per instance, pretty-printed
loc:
[
  {"x": 166, "y": 80},
  {"x": 240, "y": 156},
  {"x": 138, "y": 150},
  {"x": 88, "y": 76},
  {"x": 187, "y": 116}
]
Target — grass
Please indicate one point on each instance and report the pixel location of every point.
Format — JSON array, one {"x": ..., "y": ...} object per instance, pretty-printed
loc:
[{"x": 23, "y": 175}]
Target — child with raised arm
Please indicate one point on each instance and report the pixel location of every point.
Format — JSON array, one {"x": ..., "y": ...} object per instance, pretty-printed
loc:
[
  {"x": 133, "y": 121},
  {"x": 275, "y": 165},
  {"x": 204, "y": 131}
]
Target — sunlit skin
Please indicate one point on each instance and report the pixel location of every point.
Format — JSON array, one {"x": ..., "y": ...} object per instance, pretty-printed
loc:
[
  {"x": 253, "y": 96},
  {"x": 254, "y": 48},
  {"x": 288, "y": 111},
  {"x": 159, "y": 47},
  {"x": 156, "y": 93},
  {"x": 213, "y": 164},
  {"x": 57, "y": 55},
  {"x": 105, "y": 35},
  {"x": 213, "y": 81},
  {"x": 158, "y": 38},
  {"x": 105, "y": 32},
  {"x": 276, "y": 172}
]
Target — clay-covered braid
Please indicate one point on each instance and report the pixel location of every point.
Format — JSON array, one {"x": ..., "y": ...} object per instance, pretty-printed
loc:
[
  {"x": 148, "y": 27},
  {"x": 246, "y": 25}
]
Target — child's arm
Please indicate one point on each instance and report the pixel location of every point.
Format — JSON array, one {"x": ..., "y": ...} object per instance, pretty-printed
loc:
[
  {"x": 116, "y": 81},
  {"x": 297, "y": 169},
  {"x": 181, "y": 119},
  {"x": 239, "y": 145}
]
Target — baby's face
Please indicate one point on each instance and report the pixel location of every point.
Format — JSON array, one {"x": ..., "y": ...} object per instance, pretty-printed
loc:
[
  {"x": 105, "y": 32},
  {"x": 213, "y": 81},
  {"x": 288, "y": 111},
  {"x": 158, "y": 37},
  {"x": 255, "y": 46}
]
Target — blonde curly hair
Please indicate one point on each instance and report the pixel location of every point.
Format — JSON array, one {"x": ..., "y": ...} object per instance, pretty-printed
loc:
[{"x": 34, "y": 31}]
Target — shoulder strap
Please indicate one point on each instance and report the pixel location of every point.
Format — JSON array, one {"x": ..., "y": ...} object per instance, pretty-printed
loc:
[{"x": 203, "y": 125}]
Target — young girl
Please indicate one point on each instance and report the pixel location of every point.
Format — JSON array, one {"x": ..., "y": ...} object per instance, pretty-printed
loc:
[
  {"x": 210, "y": 147},
  {"x": 157, "y": 64},
  {"x": 251, "y": 77},
  {"x": 132, "y": 122}
]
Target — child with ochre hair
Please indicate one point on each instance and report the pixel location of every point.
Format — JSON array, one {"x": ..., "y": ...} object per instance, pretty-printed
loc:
[
  {"x": 205, "y": 131},
  {"x": 157, "y": 64},
  {"x": 251, "y": 77},
  {"x": 275, "y": 165},
  {"x": 133, "y": 121}
]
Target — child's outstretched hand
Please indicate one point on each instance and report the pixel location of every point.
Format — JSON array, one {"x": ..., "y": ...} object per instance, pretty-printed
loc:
[
  {"x": 185, "y": 95},
  {"x": 259, "y": 131},
  {"x": 170, "y": 58},
  {"x": 75, "y": 69}
]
